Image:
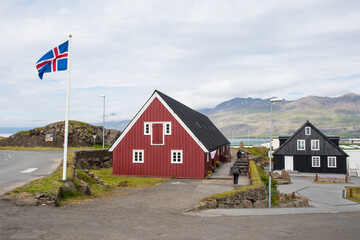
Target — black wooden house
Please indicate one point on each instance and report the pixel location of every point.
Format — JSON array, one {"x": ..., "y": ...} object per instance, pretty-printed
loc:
[{"x": 309, "y": 150}]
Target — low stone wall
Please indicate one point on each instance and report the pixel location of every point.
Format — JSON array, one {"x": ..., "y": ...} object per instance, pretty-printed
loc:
[
  {"x": 93, "y": 159},
  {"x": 251, "y": 198}
]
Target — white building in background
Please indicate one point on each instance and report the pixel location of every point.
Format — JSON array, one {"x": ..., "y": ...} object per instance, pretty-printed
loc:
[
  {"x": 353, "y": 162},
  {"x": 275, "y": 144}
]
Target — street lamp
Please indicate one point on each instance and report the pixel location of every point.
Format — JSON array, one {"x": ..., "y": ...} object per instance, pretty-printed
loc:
[
  {"x": 103, "y": 96},
  {"x": 273, "y": 100}
]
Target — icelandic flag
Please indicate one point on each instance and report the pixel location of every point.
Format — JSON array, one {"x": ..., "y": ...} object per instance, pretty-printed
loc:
[{"x": 54, "y": 60}]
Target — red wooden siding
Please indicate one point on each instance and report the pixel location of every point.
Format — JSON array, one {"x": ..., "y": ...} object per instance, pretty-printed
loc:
[{"x": 157, "y": 158}]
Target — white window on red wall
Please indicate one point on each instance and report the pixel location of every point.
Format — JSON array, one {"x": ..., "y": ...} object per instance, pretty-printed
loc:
[
  {"x": 147, "y": 128},
  {"x": 167, "y": 128},
  {"x": 138, "y": 156},
  {"x": 177, "y": 156}
]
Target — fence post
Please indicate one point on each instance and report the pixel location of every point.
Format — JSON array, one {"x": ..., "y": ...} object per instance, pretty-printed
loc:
[
  {"x": 346, "y": 179},
  {"x": 351, "y": 193},
  {"x": 316, "y": 178}
]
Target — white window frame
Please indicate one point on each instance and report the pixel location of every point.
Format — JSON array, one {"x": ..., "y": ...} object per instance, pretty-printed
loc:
[
  {"x": 166, "y": 124},
  {"x": 140, "y": 156},
  {"x": 329, "y": 160},
  {"x": 313, "y": 144},
  {"x": 298, "y": 145},
  {"x": 314, "y": 159},
  {"x": 307, "y": 131},
  {"x": 179, "y": 153},
  {"x": 147, "y": 124}
]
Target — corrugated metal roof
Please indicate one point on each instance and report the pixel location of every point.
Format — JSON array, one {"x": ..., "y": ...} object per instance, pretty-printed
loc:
[{"x": 199, "y": 124}]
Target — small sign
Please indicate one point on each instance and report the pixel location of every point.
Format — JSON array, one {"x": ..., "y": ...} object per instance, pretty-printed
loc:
[
  {"x": 94, "y": 136},
  {"x": 49, "y": 138}
]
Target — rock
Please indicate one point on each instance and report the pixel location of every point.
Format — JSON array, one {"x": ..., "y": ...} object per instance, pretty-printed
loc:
[
  {"x": 7, "y": 198},
  {"x": 68, "y": 186},
  {"x": 107, "y": 164},
  {"x": 39, "y": 195},
  {"x": 286, "y": 176},
  {"x": 246, "y": 204},
  {"x": 260, "y": 204},
  {"x": 26, "y": 201},
  {"x": 84, "y": 188}
]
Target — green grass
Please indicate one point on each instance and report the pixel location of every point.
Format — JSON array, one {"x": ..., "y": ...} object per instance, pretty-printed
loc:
[
  {"x": 258, "y": 151},
  {"x": 356, "y": 194},
  {"x": 51, "y": 184},
  {"x": 144, "y": 182},
  {"x": 255, "y": 180}
]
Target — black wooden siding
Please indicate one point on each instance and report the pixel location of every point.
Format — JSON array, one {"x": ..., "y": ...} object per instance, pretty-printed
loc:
[{"x": 303, "y": 163}]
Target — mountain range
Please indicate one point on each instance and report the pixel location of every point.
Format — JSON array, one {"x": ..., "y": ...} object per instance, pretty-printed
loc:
[
  {"x": 333, "y": 116},
  {"x": 240, "y": 117}
]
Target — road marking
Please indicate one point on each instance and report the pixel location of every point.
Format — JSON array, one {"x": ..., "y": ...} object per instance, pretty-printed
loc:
[{"x": 29, "y": 170}]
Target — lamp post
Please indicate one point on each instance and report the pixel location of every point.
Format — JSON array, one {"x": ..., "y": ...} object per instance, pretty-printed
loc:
[
  {"x": 273, "y": 100},
  {"x": 103, "y": 96}
]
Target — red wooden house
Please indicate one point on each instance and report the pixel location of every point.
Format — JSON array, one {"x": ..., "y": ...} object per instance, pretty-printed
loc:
[{"x": 168, "y": 139}]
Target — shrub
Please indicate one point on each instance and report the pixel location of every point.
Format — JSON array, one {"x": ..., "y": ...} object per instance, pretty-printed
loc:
[
  {"x": 218, "y": 164},
  {"x": 274, "y": 191}
]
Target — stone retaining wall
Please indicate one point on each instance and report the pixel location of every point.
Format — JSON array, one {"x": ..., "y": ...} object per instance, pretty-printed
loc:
[
  {"x": 93, "y": 159},
  {"x": 251, "y": 198}
]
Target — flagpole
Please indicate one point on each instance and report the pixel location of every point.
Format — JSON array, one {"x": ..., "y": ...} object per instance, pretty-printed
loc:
[{"x": 67, "y": 111}]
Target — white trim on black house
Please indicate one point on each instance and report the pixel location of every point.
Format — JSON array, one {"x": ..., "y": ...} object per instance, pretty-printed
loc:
[{"x": 312, "y": 151}]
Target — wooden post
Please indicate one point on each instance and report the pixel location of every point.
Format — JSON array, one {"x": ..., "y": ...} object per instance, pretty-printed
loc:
[
  {"x": 346, "y": 179},
  {"x": 293, "y": 195},
  {"x": 316, "y": 178},
  {"x": 351, "y": 193}
]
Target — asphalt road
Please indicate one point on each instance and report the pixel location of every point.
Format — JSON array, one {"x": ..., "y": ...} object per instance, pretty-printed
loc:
[
  {"x": 160, "y": 213},
  {"x": 20, "y": 167}
]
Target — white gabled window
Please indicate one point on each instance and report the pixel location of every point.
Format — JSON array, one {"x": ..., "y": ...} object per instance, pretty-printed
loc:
[
  {"x": 315, "y": 161},
  {"x": 138, "y": 156},
  {"x": 307, "y": 130},
  {"x": 315, "y": 144},
  {"x": 176, "y": 156},
  {"x": 331, "y": 162},
  {"x": 147, "y": 128},
  {"x": 167, "y": 128},
  {"x": 301, "y": 144}
]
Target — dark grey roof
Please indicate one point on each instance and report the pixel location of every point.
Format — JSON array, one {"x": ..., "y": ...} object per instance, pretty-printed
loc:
[
  {"x": 285, "y": 148},
  {"x": 199, "y": 124}
]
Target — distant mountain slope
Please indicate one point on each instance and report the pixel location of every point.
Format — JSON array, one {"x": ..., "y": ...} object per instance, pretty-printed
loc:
[
  {"x": 334, "y": 116},
  {"x": 238, "y": 116}
]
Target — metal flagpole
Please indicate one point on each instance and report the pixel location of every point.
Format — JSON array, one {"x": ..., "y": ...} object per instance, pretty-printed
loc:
[{"x": 67, "y": 111}]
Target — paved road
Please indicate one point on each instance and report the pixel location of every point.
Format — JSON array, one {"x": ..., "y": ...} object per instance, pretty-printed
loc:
[
  {"x": 20, "y": 167},
  {"x": 159, "y": 213}
]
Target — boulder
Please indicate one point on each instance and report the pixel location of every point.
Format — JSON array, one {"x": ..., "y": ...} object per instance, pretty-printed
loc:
[
  {"x": 84, "y": 188},
  {"x": 286, "y": 176},
  {"x": 68, "y": 186}
]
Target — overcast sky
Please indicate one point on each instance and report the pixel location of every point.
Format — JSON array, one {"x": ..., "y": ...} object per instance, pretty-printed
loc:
[{"x": 198, "y": 52}]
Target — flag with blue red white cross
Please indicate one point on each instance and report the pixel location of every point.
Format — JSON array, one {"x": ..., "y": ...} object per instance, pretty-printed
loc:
[{"x": 54, "y": 60}]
